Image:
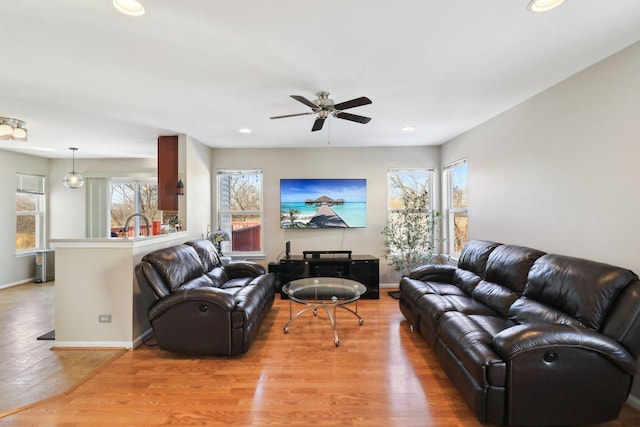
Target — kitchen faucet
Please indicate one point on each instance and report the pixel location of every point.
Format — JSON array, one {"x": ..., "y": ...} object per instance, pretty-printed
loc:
[{"x": 126, "y": 223}]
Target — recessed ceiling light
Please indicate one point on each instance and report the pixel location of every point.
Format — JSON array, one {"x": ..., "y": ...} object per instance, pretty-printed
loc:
[
  {"x": 129, "y": 7},
  {"x": 244, "y": 130},
  {"x": 544, "y": 5},
  {"x": 408, "y": 129}
]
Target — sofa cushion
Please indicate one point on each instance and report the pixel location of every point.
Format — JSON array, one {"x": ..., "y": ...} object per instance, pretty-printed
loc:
[
  {"x": 474, "y": 256},
  {"x": 207, "y": 253},
  {"x": 509, "y": 266},
  {"x": 465, "y": 280},
  {"x": 176, "y": 265},
  {"x": 431, "y": 306},
  {"x": 218, "y": 276},
  {"x": 525, "y": 310},
  {"x": 581, "y": 288},
  {"x": 493, "y": 295},
  {"x": 240, "y": 282},
  {"x": 471, "y": 344},
  {"x": 199, "y": 282}
]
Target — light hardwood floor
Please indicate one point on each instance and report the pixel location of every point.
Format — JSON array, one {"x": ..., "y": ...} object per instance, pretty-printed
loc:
[
  {"x": 29, "y": 369},
  {"x": 382, "y": 374}
]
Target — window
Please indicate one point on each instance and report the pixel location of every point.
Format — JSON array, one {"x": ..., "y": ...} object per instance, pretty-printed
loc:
[
  {"x": 455, "y": 181},
  {"x": 411, "y": 233},
  {"x": 30, "y": 210},
  {"x": 240, "y": 210},
  {"x": 129, "y": 197},
  {"x": 405, "y": 182}
]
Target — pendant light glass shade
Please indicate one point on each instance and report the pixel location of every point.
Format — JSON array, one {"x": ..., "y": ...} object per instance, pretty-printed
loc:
[{"x": 73, "y": 179}]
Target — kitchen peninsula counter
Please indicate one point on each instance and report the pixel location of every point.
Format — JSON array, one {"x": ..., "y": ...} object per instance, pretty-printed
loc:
[{"x": 97, "y": 298}]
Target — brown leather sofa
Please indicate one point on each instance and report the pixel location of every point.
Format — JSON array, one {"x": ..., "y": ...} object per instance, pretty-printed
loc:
[
  {"x": 530, "y": 338},
  {"x": 198, "y": 306}
]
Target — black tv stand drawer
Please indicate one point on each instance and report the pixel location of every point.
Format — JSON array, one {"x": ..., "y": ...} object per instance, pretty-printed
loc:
[{"x": 361, "y": 268}]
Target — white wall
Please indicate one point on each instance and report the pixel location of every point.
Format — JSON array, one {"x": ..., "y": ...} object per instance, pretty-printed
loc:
[
  {"x": 14, "y": 269},
  {"x": 560, "y": 171},
  {"x": 68, "y": 209},
  {"x": 197, "y": 181},
  {"x": 329, "y": 162}
]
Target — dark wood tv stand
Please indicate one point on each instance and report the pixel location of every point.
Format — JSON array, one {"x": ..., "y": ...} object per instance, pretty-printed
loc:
[{"x": 361, "y": 268}]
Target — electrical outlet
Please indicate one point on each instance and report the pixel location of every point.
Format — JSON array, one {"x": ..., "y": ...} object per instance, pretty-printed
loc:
[{"x": 104, "y": 318}]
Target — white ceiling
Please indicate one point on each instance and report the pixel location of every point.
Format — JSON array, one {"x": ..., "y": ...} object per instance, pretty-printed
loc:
[{"x": 81, "y": 74}]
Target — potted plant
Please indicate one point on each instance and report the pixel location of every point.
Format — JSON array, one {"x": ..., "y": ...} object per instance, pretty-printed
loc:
[{"x": 411, "y": 233}]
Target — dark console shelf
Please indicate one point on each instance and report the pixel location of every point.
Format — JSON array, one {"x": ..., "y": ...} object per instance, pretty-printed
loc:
[{"x": 361, "y": 268}]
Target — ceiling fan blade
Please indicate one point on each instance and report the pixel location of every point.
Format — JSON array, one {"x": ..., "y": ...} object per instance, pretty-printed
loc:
[
  {"x": 305, "y": 101},
  {"x": 317, "y": 125},
  {"x": 353, "y": 117},
  {"x": 357, "y": 102},
  {"x": 292, "y": 115}
]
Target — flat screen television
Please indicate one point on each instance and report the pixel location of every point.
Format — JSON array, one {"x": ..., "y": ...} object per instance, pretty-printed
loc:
[{"x": 323, "y": 203}]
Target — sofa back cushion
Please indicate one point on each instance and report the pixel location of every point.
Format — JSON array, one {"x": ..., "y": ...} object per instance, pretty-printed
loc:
[
  {"x": 505, "y": 276},
  {"x": 207, "y": 252},
  {"x": 474, "y": 255},
  {"x": 175, "y": 265},
  {"x": 509, "y": 266},
  {"x": 581, "y": 288},
  {"x": 525, "y": 310}
]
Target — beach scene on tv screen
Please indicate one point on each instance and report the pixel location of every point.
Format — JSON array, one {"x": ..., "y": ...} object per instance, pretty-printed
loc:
[{"x": 323, "y": 203}]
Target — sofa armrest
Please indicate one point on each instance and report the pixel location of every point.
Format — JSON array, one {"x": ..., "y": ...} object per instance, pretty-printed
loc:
[
  {"x": 206, "y": 295},
  {"x": 433, "y": 273},
  {"x": 237, "y": 269},
  {"x": 517, "y": 340}
]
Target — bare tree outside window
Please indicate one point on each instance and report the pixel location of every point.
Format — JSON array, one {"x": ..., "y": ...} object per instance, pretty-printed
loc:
[
  {"x": 410, "y": 232},
  {"x": 30, "y": 204},
  {"x": 240, "y": 209},
  {"x": 128, "y": 198},
  {"x": 455, "y": 176}
]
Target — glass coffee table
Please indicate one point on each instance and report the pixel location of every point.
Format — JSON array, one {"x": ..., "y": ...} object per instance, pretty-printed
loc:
[{"x": 328, "y": 293}]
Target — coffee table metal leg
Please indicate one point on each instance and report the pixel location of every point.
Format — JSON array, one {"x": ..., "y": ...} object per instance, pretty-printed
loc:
[
  {"x": 298, "y": 314},
  {"x": 355, "y": 313},
  {"x": 332, "y": 320},
  {"x": 332, "y": 316}
]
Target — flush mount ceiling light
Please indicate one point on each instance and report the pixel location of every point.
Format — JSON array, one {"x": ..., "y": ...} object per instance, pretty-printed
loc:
[
  {"x": 544, "y": 5},
  {"x": 408, "y": 129},
  {"x": 73, "y": 179},
  {"x": 13, "y": 129},
  {"x": 129, "y": 7},
  {"x": 244, "y": 130}
]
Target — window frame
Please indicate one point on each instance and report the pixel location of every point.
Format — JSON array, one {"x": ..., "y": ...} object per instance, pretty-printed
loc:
[
  {"x": 224, "y": 215},
  {"x": 37, "y": 188},
  {"x": 450, "y": 210}
]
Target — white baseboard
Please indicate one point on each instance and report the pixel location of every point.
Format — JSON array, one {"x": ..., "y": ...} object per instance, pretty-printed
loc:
[
  {"x": 633, "y": 402},
  {"x": 388, "y": 285},
  {"x": 93, "y": 344},
  {"x": 21, "y": 282}
]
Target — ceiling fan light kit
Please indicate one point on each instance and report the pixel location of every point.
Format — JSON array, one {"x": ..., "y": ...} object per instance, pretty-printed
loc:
[
  {"x": 544, "y": 5},
  {"x": 324, "y": 106},
  {"x": 13, "y": 129},
  {"x": 129, "y": 7}
]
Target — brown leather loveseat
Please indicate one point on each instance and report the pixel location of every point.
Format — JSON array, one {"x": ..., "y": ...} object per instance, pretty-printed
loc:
[
  {"x": 198, "y": 306},
  {"x": 530, "y": 338}
]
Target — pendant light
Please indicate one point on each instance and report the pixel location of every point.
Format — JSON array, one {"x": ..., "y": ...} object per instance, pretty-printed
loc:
[{"x": 73, "y": 179}]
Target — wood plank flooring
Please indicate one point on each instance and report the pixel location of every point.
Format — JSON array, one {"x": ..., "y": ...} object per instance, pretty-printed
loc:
[
  {"x": 382, "y": 374},
  {"x": 29, "y": 369}
]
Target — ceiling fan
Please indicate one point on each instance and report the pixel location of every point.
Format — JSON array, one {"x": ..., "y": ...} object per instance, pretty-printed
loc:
[{"x": 323, "y": 106}]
